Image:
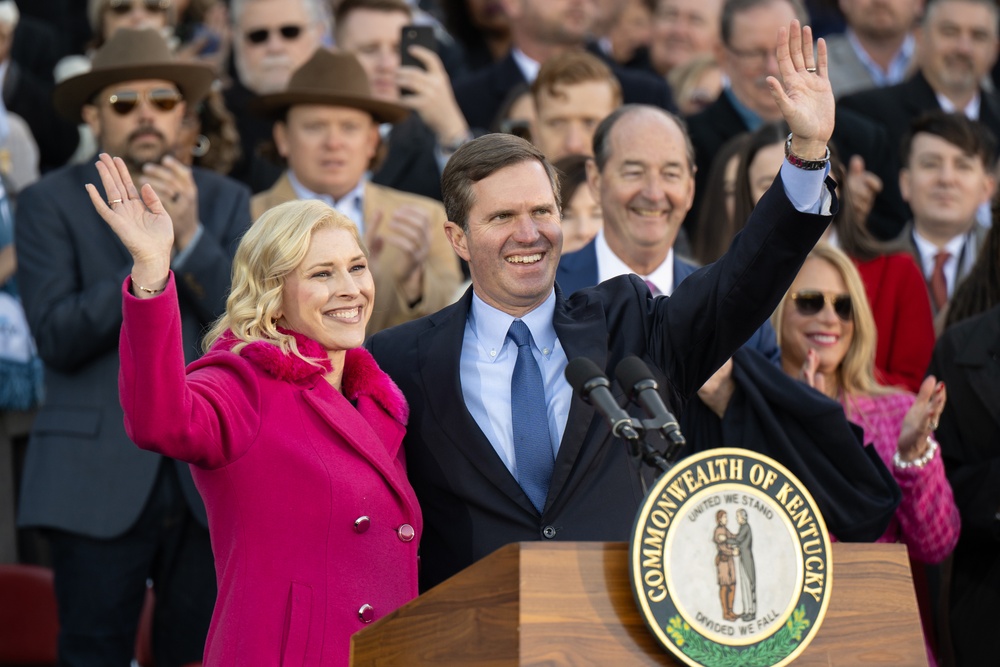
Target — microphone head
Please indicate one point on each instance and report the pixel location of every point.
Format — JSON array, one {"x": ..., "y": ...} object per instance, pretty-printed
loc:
[
  {"x": 631, "y": 371},
  {"x": 580, "y": 372}
]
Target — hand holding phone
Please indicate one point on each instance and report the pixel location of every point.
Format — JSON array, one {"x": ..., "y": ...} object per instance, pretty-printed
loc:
[{"x": 421, "y": 35}]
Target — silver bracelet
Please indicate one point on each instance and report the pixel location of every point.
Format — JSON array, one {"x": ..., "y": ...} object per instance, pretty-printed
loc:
[{"x": 932, "y": 448}]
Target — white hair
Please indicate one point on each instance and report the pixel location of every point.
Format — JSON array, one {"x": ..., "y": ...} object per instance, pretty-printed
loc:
[
  {"x": 8, "y": 13},
  {"x": 318, "y": 10}
]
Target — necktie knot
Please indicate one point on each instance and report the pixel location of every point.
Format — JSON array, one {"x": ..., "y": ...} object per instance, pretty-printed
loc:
[
  {"x": 519, "y": 333},
  {"x": 940, "y": 259}
]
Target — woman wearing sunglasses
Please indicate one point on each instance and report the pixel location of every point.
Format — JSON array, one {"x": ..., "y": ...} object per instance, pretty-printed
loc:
[{"x": 827, "y": 337}]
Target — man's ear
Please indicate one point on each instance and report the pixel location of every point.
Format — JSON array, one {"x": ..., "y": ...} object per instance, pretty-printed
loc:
[
  {"x": 593, "y": 181},
  {"x": 92, "y": 117},
  {"x": 458, "y": 238},
  {"x": 904, "y": 184},
  {"x": 280, "y": 134}
]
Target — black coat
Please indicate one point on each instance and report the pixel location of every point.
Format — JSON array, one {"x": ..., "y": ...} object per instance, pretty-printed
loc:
[{"x": 967, "y": 359}]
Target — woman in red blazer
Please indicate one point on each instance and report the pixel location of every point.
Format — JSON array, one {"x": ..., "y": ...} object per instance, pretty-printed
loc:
[{"x": 292, "y": 431}]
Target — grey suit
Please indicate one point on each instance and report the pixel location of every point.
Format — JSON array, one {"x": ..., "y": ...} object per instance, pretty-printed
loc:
[{"x": 847, "y": 73}]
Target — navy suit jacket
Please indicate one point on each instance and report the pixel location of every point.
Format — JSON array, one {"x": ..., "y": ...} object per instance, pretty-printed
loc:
[
  {"x": 472, "y": 504},
  {"x": 82, "y": 473},
  {"x": 578, "y": 270},
  {"x": 481, "y": 94}
]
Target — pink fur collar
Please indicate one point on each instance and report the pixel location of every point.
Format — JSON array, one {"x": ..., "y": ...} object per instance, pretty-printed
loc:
[{"x": 362, "y": 376}]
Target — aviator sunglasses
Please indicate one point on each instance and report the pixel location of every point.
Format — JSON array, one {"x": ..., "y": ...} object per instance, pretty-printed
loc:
[
  {"x": 288, "y": 33},
  {"x": 163, "y": 99},
  {"x": 125, "y": 6},
  {"x": 810, "y": 302}
]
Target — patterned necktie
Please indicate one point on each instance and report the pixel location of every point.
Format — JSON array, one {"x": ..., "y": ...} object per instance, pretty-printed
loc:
[
  {"x": 529, "y": 415},
  {"x": 939, "y": 284}
]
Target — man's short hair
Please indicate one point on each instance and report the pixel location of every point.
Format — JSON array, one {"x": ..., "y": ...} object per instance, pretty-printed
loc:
[
  {"x": 318, "y": 10},
  {"x": 345, "y": 7},
  {"x": 570, "y": 68},
  {"x": 972, "y": 137},
  {"x": 602, "y": 135},
  {"x": 932, "y": 4},
  {"x": 731, "y": 8},
  {"x": 479, "y": 159}
]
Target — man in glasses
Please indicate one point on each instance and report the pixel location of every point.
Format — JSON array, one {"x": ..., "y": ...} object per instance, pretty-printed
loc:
[
  {"x": 116, "y": 516},
  {"x": 271, "y": 39}
]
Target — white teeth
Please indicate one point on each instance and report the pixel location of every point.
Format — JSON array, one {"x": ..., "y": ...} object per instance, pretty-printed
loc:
[
  {"x": 648, "y": 213},
  {"x": 823, "y": 338},
  {"x": 525, "y": 259},
  {"x": 344, "y": 314}
]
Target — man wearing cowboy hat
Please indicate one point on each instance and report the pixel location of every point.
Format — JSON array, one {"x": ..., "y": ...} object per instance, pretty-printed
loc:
[
  {"x": 116, "y": 515},
  {"x": 326, "y": 127}
]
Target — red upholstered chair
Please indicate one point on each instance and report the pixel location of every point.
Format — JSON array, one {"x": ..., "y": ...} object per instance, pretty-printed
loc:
[{"x": 29, "y": 622}]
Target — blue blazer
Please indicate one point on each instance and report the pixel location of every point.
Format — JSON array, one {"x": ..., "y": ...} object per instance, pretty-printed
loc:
[
  {"x": 472, "y": 504},
  {"x": 578, "y": 270}
]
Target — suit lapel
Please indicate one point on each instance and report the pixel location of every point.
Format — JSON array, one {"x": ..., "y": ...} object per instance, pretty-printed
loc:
[
  {"x": 982, "y": 358},
  {"x": 582, "y": 333},
  {"x": 578, "y": 269}
]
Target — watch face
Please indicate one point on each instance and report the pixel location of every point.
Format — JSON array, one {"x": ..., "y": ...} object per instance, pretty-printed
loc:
[{"x": 730, "y": 561}]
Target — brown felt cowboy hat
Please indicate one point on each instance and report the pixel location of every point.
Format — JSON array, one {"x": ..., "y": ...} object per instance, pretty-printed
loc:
[
  {"x": 332, "y": 78},
  {"x": 132, "y": 55}
]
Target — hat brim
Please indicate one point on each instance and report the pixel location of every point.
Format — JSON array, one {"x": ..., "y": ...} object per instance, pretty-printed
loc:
[
  {"x": 70, "y": 96},
  {"x": 274, "y": 105}
]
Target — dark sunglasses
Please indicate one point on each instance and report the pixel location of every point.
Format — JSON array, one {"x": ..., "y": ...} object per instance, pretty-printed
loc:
[
  {"x": 287, "y": 32},
  {"x": 125, "y": 6},
  {"x": 809, "y": 302},
  {"x": 163, "y": 99}
]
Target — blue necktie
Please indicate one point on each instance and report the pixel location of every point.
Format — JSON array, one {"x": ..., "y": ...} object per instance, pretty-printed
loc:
[{"x": 529, "y": 414}]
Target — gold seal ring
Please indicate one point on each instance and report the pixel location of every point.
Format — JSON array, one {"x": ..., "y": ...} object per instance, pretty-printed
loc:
[{"x": 112, "y": 202}]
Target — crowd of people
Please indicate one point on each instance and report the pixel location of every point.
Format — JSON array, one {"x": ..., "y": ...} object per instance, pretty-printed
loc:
[{"x": 304, "y": 292}]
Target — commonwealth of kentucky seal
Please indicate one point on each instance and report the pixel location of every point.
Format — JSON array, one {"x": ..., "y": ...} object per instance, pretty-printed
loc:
[{"x": 730, "y": 561}]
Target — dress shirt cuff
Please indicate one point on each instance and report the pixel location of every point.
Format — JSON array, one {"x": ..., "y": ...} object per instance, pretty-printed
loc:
[
  {"x": 183, "y": 255},
  {"x": 806, "y": 189}
]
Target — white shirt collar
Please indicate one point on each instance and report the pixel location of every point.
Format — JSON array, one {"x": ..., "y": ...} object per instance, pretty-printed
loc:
[
  {"x": 971, "y": 109},
  {"x": 490, "y": 325},
  {"x": 529, "y": 67},
  {"x": 351, "y": 204},
  {"x": 610, "y": 265}
]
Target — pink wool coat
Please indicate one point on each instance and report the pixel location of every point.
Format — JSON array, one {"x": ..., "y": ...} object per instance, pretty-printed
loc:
[{"x": 313, "y": 523}]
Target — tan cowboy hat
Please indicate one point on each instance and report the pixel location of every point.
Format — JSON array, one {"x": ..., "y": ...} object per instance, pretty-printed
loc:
[
  {"x": 132, "y": 55},
  {"x": 332, "y": 78}
]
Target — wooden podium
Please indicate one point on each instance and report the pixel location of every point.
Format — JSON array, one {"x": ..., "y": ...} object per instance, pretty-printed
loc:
[{"x": 571, "y": 603}]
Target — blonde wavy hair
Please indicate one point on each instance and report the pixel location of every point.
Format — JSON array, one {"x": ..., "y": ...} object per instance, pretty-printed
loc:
[
  {"x": 273, "y": 246},
  {"x": 856, "y": 373}
]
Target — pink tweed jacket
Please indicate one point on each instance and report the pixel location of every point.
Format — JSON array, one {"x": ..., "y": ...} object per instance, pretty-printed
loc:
[
  {"x": 314, "y": 525},
  {"x": 927, "y": 519}
]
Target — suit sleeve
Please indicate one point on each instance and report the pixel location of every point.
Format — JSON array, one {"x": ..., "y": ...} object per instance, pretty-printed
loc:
[{"x": 204, "y": 279}]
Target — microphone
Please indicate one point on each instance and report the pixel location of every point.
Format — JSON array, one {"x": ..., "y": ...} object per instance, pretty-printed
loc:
[
  {"x": 592, "y": 386},
  {"x": 638, "y": 381}
]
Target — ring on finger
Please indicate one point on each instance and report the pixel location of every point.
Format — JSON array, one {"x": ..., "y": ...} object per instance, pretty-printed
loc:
[
  {"x": 811, "y": 70},
  {"x": 112, "y": 202}
]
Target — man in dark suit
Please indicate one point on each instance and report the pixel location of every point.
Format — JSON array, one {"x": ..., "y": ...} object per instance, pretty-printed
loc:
[
  {"x": 417, "y": 148},
  {"x": 484, "y": 477},
  {"x": 632, "y": 135},
  {"x": 541, "y": 29},
  {"x": 748, "y": 28},
  {"x": 115, "y": 515}
]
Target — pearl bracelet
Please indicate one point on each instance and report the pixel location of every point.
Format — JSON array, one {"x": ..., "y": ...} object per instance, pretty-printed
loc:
[{"x": 932, "y": 448}]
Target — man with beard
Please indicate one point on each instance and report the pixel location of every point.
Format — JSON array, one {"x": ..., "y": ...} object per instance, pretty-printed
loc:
[
  {"x": 271, "y": 39},
  {"x": 877, "y": 49},
  {"x": 115, "y": 515},
  {"x": 541, "y": 29}
]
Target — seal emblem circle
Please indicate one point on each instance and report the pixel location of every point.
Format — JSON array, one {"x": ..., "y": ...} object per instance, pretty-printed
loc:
[{"x": 730, "y": 561}]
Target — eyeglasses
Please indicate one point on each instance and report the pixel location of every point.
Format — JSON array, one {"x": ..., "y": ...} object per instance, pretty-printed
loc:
[
  {"x": 751, "y": 56},
  {"x": 811, "y": 302},
  {"x": 123, "y": 7},
  {"x": 288, "y": 33},
  {"x": 163, "y": 99}
]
